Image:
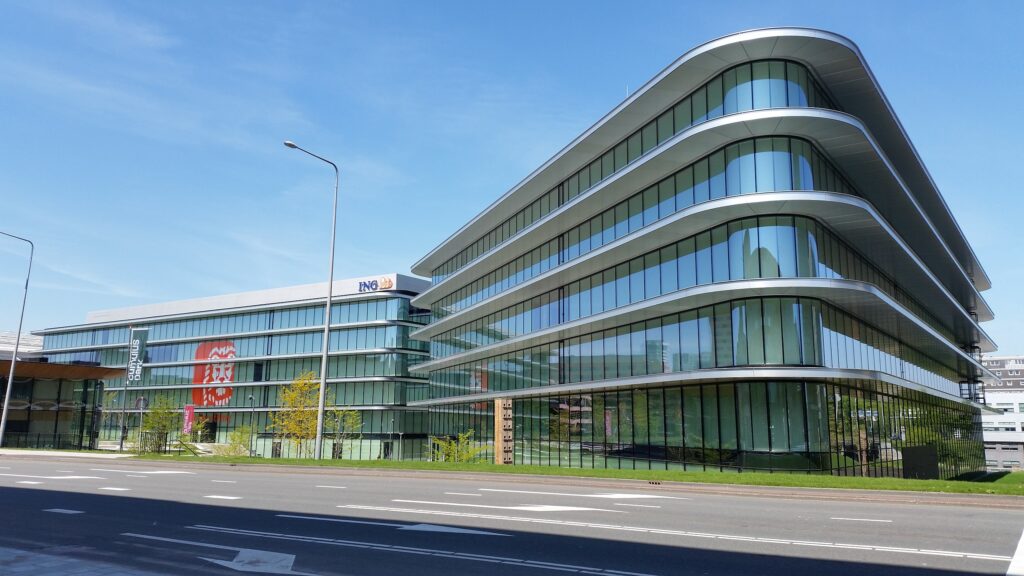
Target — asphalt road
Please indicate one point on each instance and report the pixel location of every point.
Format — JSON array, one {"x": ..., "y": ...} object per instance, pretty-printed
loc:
[{"x": 171, "y": 518}]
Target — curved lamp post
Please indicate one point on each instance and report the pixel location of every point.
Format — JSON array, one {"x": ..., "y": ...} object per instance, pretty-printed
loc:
[
  {"x": 327, "y": 309},
  {"x": 17, "y": 336}
]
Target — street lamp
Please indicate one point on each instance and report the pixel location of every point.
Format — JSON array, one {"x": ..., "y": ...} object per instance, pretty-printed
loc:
[
  {"x": 252, "y": 425},
  {"x": 327, "y": 307},
  {"x": 17, "y": 336}
]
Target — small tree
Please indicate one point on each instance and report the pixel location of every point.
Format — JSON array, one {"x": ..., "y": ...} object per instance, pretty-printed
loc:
[
  {"x": 200, "y": 428},
  {"x": 344, "y": 426},
  {"x": 296, "y": 420},
  {"x": 157, "y": 424},
  {"x": 458, "y": 449},
  {"x": 238, "y": 442}
]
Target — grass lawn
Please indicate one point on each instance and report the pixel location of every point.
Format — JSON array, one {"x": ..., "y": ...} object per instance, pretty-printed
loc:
[{"x": 998, "y": 483}]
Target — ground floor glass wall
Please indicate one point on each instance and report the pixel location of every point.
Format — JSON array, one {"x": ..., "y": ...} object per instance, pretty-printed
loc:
[
  {"x": 388, "y": 431},
  {"x": 740, "y": 426},
  {"x": 52, "y": 413}
]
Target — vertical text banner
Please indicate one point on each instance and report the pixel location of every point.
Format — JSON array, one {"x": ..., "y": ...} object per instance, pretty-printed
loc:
[
  {"x": 190, "y": 417},
  {"x": 136, "y": 355}
]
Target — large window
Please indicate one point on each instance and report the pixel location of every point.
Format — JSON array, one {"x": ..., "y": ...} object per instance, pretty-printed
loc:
[
  {"x": 740, "y": 426},
  {"x": 756, "y": 165},
  {"x": 751, "y": 86},
  {"x": 762, "y": 247},
  {"x": 748, "y": 332}
]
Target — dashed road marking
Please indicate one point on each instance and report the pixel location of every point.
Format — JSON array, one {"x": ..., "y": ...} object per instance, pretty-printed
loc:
[
  {"x": 115, "y": 489},
  {"x": 219, "y": 497},
  {"x": 688, "y": 534},
  {"x": 600, "y": 495},
  {"x": 860, "y": 519},
  {"x": 639, "y": 505},
  {"x": 225, "y": 481},
  {"x": 325, "y": 486},
  {"x": 523, "y": 507},
  {"x": 28, "y": 482},
  {"x": 53, "y": 477},
  {"x": 140, "y": 471},
  {"x": 63, "y": 511},
  {"x": 451, "y": 555},
  {"x": 462, "y": 494}
]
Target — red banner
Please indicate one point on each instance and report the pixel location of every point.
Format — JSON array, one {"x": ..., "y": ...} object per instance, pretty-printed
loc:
[
  {"x": 213, "y": 372},
  {"x": 190, "y": 418}
]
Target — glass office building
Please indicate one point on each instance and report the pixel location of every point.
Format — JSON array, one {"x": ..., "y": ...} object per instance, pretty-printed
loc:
[
  {"x": 228, "y": 356},
  {"x": 743, "y": 266}
]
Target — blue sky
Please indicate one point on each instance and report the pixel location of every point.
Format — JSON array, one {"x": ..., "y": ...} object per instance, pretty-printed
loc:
[{"x": 142, "y": 140}]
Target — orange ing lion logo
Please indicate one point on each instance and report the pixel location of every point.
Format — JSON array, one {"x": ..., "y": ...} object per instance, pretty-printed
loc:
[
  {"x": 215, "y": 371},
  {"x": 385, "y": 283}
]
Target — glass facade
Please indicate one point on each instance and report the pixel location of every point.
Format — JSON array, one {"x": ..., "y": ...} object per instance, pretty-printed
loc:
[
  {"x": 51, "y": 412},
  {"x": 231, "y": 367},
  {"x": 784, "y": 426},
  {"x": 748, "y": 332},
  {"x": 749, "y": 86},
  {"x": 746, "y": 167},
  {"x": 761, "y": 247},
  {"x": 758, "y": 379}
]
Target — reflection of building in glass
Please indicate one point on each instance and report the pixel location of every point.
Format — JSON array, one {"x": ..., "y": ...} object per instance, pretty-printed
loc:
[
  {"x": 52, "y": 405},
  {"x": 1004, "y": 432},
  {"x": 229, "y": 355},
  {"x": 743, "y": 266}
]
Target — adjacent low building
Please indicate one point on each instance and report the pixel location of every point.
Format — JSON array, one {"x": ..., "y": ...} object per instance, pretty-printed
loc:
[
  {"x": 228, "y": 357},
  {"x": 743, "y": 266},
  {"x": 52, "y": 405},
  {"x": 1004, "y": 430}
]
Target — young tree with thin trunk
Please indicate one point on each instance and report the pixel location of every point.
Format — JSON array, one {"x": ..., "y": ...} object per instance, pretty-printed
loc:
[{"x": 296, "y": 421}]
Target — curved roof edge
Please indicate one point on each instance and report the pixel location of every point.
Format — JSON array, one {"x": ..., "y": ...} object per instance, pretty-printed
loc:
[
  {"x": 842, "y": 137},
  {"x": 834, "y": 58}
]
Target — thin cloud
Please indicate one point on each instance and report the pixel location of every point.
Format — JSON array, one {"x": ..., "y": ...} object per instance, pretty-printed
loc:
[{"x": 103, "y": 23}]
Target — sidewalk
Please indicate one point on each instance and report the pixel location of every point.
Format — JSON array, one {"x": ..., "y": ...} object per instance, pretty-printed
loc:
[{"x": 64, "y": 453}]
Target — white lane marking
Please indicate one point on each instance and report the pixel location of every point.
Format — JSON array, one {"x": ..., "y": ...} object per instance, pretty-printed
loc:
[
  {"x": 63, "y": 511},
  {"x": 639, "y": 505},
  {"x": 859, "y": 519},
  {"x": 218, "y": 497},
  {"x": 518, "y": 562},
  {"x": 411, "y": 527},
  {"x": 136, "y": 476},
  {"x": 461, "y": 494},
  {"x": 247, "y": 559},
  {"x": 324, "y": 486},
  {"x": 684, "y": 533},
  {"x": 602, "y": 495},
  {"x": 225, "y": 481},
  {"x": 1017, "y": 562},
  {"x": 65, "y": 471},
  {"x": 53, "y": 477},
  {"x": 524, "y": 507},
  {"x": 140, "y": 471},
  {"x": 115, "y": 489},
  {"x": 28, "y": 482}
]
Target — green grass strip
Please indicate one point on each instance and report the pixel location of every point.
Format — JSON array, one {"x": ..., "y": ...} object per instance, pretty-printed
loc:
[{"x": 1011, "y": 484}]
